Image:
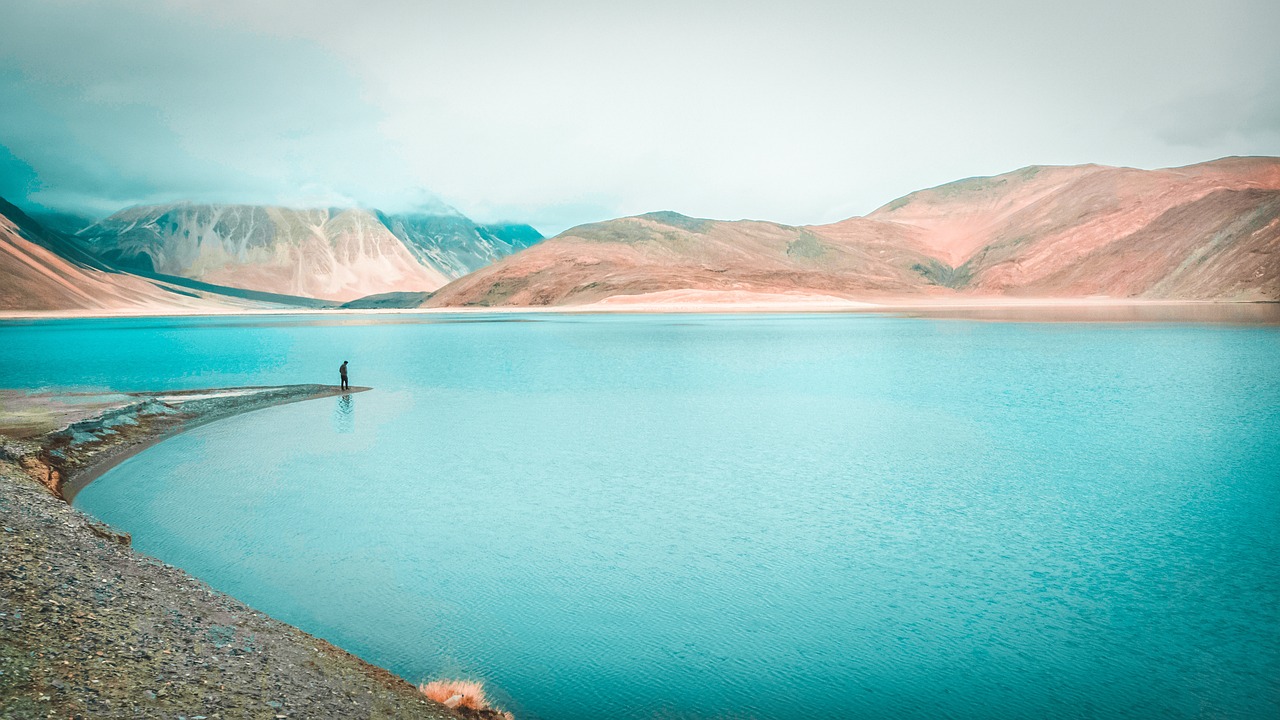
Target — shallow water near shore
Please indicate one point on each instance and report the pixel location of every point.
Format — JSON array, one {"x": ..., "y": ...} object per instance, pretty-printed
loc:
[{"x": 763, "y": 516}]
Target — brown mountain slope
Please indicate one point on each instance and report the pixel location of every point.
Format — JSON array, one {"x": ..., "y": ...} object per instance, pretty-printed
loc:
[
  {"x": 35, "y": 277},
  {"x": 1039, "y": 234},
  {"x": 1226, "y": 245},
  {"x": 957, "y": 219},
  {"x": 1204, "y": 231},
  {"x": 41, "y": 271},
  {"x": 667, "y": 251}
]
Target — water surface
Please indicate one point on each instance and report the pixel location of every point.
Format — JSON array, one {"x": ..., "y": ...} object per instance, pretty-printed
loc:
[{"x": 739, "y": 516}]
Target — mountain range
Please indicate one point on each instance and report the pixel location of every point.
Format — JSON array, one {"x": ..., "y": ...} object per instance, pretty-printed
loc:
[
  {"x": 1202, "y": 232},
  {"x": 334, "y": 254},
  {"x": 202, "y": 257}
]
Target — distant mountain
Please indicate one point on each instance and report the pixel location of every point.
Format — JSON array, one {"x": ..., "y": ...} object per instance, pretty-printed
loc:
[
  {"x": 387, "y": 301},
  {"x": 331, "y": 254},
  {"x": 43, "y": 270},
  {"x": 665, "y": 251},
  {"x": 334, "y": 254},
  {"x": 455, "y": 245},
  {"x": 1202, "y": 232},
  {"x": 65, "y": 223},
  {"x": 1208, "y": 231}
]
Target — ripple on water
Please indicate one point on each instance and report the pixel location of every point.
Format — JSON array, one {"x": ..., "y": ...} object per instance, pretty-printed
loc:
[{"x": 749, "y": 517}]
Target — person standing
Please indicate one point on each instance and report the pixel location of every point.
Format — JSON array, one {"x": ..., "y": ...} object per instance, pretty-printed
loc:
[{"x": 342, "y": 371}]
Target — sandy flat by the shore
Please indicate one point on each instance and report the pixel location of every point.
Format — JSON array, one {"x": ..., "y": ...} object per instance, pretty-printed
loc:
[
  {"x": 81, "y": 435},
  {"x": 27, "y": 414},
  {"x": 745, "y": 301},
  {"x": 1091, "y": 309}
]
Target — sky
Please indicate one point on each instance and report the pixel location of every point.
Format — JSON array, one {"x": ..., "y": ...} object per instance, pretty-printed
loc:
[{"x": 561, "y": 113}]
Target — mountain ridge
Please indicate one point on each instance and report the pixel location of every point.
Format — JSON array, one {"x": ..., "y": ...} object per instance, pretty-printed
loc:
[
  {"x": 332, "y": 253},
  {"x": 1207, "y": 231},
  {"x": 1178, "y": 233}
]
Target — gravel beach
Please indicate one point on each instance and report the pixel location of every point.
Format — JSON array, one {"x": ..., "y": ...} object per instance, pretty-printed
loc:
[{"x": 91, "y": 629}]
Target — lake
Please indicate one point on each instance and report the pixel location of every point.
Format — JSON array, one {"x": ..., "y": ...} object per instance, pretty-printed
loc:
[{"x": 758, "y": 516}]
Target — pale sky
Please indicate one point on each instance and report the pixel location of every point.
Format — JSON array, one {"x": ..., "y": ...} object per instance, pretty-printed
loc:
[{"x": 559, "y": 113}]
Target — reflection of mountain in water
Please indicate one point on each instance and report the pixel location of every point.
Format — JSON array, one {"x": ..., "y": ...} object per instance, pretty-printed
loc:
[{"x": 344, "y": 416}]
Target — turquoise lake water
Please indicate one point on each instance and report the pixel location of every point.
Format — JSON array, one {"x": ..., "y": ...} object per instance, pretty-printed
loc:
[{"x": 739, "y": 516}]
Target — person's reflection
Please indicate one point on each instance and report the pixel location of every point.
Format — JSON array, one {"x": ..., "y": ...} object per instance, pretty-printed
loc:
[{"x": 344, "y": 420}]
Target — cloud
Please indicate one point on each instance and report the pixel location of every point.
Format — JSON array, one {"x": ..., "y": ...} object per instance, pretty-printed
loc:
[
  {"x": 120, "y": 103},
  {"x": 567, "y": 112},
  {"x": 1242, "y": 115}
]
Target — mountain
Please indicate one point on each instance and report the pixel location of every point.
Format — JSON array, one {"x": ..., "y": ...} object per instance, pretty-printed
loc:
[
  {"x": 43, "y": 270},
  {"x": 331, "y": 254},
  {"x": 667, "y": 251},
  {"x": 64, "y": 223},
  {"x": 337, "y": 254},
  {"x": 455, "y": 245},
  {"x": 1204, "y": 232}
]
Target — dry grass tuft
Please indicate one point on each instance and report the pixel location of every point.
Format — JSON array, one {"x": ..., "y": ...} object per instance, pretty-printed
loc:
[{"x": 457, "y": 693}]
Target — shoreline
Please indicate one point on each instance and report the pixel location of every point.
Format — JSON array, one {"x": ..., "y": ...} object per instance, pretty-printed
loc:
[
  {"x": 80, "y": 480},
  {"x": 91, "y": 628},
  {"x": 737, "y": 303},
  {"x": 74, "y": 438}
]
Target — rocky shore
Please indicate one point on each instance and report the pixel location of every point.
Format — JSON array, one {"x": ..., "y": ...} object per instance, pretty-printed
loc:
[{"x": 91, "y": 629}]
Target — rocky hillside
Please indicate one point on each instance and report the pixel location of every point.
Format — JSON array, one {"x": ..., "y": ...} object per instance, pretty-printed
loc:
[
  {"x": 334, "y": 254},
  {"x": 1208, "y": 231}
]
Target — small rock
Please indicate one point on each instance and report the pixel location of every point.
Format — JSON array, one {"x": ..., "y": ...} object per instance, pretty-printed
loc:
[{"x": 107, "y": 532}]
